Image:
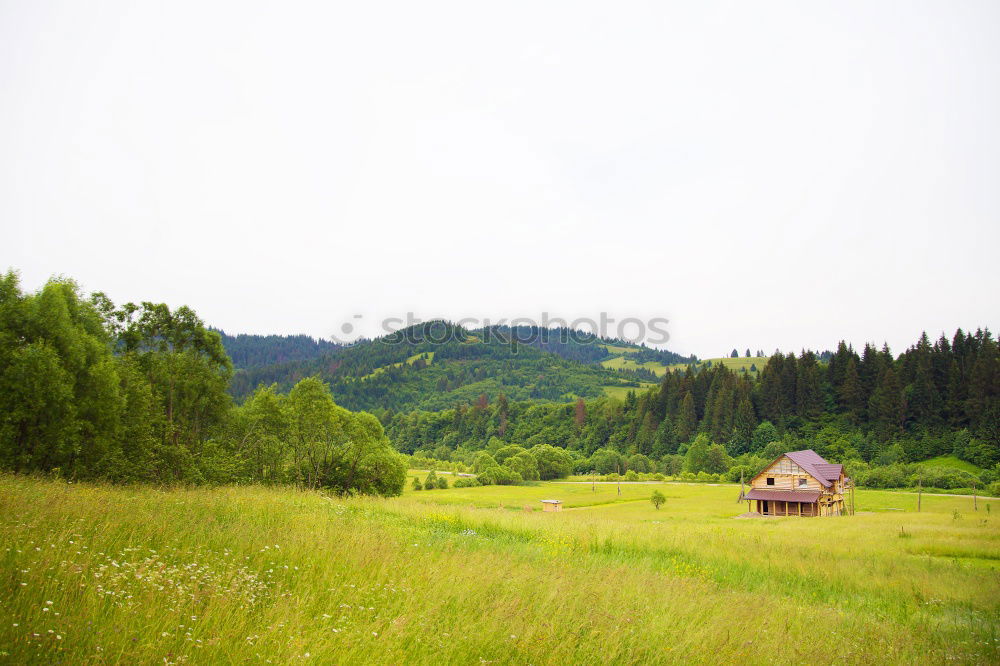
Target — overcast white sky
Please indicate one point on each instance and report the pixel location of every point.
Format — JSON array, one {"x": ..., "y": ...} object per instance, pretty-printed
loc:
[{"x": 763, "y": 174}]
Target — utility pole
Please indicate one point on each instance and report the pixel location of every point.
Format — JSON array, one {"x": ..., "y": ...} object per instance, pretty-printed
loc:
[
  {"x": 920, "y": 488},
  {"x": 742, "y": 492},
  {"x": 618, "y": 475},
  {"x": 975, "y": 504}
]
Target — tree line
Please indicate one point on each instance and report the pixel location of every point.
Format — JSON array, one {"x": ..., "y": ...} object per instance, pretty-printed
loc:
[
  {"x": 254, "y": 351},
  {"x": 871, "y": 408},
  {"x": 138, "y": 393}
]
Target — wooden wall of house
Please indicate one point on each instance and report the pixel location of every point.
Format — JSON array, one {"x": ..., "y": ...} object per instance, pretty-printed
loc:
[{"x": 786, "y": 475}]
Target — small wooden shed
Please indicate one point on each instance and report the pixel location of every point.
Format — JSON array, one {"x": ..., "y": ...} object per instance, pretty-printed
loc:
[{"x": 551, "y": 505}]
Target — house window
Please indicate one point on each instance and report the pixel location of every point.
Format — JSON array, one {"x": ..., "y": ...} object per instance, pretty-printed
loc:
[
  {"x": 770, "y": 480},
  {"x": 802, "y": 482}
]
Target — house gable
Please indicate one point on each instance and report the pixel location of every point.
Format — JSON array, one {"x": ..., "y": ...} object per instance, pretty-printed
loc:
[{"x": 787, "y": 475}]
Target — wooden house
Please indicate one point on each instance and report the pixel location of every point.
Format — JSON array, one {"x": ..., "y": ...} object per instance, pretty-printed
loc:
[
  {"x": 799, "y": 483},
  {"x": 551, "y": 505}
]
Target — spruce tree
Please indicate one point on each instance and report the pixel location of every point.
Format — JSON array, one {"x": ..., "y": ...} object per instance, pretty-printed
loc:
[
  {"x": 687, "y": 420},
  {"x": 808, "y": 403},
  {"x": 851, "y": 398},
  {"x": 887, "y": 406},
  {"x": 745, "y": 423}
]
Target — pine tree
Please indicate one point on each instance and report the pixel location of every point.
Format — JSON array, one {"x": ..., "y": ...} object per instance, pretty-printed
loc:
[
  {"x": 851, "y": 398},
  {"x": 955, "y": 397},
  {"x": 807, "y": 388},
  {"x": 665, "y": 440},
  {"x": 745, "y": 423},
  {"x": 923, "y": 405},
  {"x": 887, "y": 407},
  {"x": 982, "y": 381},
  {"x": 687, "y": 420}
]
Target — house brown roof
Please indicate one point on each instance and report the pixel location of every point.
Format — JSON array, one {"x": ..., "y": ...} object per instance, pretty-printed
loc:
[
  {"x": 830, "y": 470},
  {"x": 808, "y": 496},
  {"x": 816, "y": 466}
]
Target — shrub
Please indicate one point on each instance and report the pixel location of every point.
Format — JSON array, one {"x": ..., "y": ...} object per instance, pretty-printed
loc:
[
  {"x": 417, "y": 485},
  {"x": 606, "y": 461},
  {"x": 500, "y": 476},
  {"x": 553, "y": 462},
  {"x": 483, "y": 461},
  {"x": 640, "y": 463},
  {"x": 657, "y": 499},
  {"x": 672, "y": 464},
  {"x": 631, "y": 475},
  {"x": 466, "y": 482},
  {"x": 442, "y": 483},
  {"x": 887, "y": 476},
  {"x": 524, "y": 464},
  {"x": 508, "y": 451},
  {"x": 942, "y": 477}
]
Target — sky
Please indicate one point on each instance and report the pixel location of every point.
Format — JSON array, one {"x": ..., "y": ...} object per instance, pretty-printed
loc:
[{"x": 763, "y": 175}]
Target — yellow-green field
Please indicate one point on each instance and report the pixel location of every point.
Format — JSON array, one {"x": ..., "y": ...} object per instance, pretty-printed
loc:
[
  {"x": 622, "y": 363},
  {"x": 409, "y": 361},
  {"x": 621, "y": 391},
  {"x": 735, "y": 364},
  {"x": 95, "y": 574},
  {"x": 616, "y": 349}
]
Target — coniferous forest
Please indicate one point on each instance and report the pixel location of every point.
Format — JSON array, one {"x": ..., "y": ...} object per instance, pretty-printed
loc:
[{"x": 140, "y": 392}]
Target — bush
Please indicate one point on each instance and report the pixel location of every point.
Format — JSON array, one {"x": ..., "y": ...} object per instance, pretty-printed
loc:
[
  {"x": 553, "y": 462},
  {"x": 994, "y": 489},
  {"x": 524, "y": 464},
  {"x": 466, "y": 482},
  {"x": 482, "y": 462},
  {"x": 508, "y": 451},
  {"x": 417, "y": 485},
  {"x": 942, "y": 477},
  {"x": 442, "y": 483},
  {"x": 499, "y": 476},
  {"x": 672, "y": 464},
  {"x": 631, "y": 475},
  {"x": 640, "y": 464},
  {"x": 606, "y": 461},
  {"x": 887, "y": 476}
]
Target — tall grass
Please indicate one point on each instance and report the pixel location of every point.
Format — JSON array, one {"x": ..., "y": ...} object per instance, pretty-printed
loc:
[{"x": 94, "y": 574}]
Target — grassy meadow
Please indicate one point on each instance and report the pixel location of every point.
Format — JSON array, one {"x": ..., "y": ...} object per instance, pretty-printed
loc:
[
  {"x": 99, "y": 574},
  {"x": 752, "y": 364},
  {"x": 621, "y": 391},
  {"x": 427, "y": 356},
  {"x": 622, "y": 363},
  {"x": 736, "y": 364}
]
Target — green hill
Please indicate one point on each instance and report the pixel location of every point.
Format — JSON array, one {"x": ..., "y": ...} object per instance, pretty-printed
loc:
[
  {"x": 438, "y": 365},
  {"x": 951, "y": 462}
]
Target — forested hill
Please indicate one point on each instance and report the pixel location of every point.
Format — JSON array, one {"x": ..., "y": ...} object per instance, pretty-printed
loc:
[
  {"x": 254, "y": 351},
  {"x": 438, "y": 365}
]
